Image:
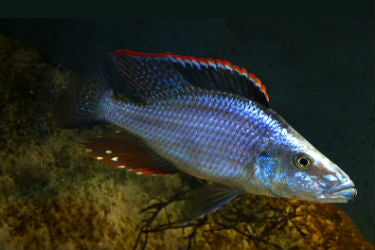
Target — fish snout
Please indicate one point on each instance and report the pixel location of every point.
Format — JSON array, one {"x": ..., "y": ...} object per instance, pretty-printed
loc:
[{"x": 341, "y": 193}]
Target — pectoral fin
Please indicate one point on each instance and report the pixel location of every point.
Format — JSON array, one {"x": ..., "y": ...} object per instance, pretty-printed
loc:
[{"x": 207, "y": 199}]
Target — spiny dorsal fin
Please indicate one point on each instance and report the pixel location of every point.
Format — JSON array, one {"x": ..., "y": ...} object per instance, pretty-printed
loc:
[
  {"x": 123, "y": 150},
  {"x": 153, "y": 75}
]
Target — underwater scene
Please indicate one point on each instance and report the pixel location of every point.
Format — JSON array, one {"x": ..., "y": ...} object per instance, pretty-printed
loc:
[{"x": 156, "y": 133}]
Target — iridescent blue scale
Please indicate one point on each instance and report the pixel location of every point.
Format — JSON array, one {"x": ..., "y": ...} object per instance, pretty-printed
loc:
[{"x": 200, "y": 133}]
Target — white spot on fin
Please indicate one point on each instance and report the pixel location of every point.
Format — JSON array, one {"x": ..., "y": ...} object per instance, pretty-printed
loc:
[
  {"x": 88, "y": 150},
  {"x": 99, "y": 158},
  {"x": 108, "y": 152},
  {"x": 122, "y": 166},
  {"x": 114, "y": 159}
]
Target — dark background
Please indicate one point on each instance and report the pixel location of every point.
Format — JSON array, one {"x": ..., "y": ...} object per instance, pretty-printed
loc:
[{"x": 319, "y": 72}]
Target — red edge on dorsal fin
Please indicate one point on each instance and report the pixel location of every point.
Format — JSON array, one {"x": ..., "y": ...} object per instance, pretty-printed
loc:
[
  {"x": 237, "y": 69},
  {"x": 140, "y": 54},
  {"x": 228, "y": 65},
  {"x": 209, "y": 62}
]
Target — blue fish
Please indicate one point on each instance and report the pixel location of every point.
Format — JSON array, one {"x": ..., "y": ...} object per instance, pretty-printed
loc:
[{"x": 209, "y": 119}]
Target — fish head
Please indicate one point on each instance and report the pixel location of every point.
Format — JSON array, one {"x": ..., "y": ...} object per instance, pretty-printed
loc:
[{"x": 290, "y": 167}]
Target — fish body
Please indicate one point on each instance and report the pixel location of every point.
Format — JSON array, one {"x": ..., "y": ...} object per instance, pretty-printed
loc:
[
  {"x": 212, "y": 120},
  {"x": 205, "y": 134}
]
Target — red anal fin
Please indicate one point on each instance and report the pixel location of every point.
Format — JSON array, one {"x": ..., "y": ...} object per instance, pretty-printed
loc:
[{"x": 126, "y": 151}]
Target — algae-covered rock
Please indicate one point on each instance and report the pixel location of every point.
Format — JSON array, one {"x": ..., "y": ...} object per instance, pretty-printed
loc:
[{"x": 53, "y": 196}]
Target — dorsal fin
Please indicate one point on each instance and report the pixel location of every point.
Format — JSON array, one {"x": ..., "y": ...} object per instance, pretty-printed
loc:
[
  {"x": 123, "y": 150},
  {"x": 151, "y": 75}
]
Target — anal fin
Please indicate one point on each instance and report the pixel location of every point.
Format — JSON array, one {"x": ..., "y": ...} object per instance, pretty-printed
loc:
[
  {"x": 207, "y": 199},
  {"x": 123, "y": 150}
]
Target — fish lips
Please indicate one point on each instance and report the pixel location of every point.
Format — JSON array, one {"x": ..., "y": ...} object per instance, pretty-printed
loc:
[{"x": 342, "y": 193}]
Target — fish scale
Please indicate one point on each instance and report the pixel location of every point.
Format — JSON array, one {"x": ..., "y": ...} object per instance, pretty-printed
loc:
[{"x": 210, "y": 133}]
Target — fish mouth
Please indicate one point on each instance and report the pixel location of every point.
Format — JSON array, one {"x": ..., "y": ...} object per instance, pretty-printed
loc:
[{"x": 343, "y": 193}]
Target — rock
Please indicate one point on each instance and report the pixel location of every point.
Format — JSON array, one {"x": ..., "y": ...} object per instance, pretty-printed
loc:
[{"x": 53, "y": 196}]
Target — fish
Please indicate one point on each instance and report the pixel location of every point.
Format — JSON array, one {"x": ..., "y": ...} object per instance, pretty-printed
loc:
[{"x": 210, "y": 119}]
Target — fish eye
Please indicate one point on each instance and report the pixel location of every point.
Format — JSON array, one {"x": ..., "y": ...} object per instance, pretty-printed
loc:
[{"x": 302, "y": 161}]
